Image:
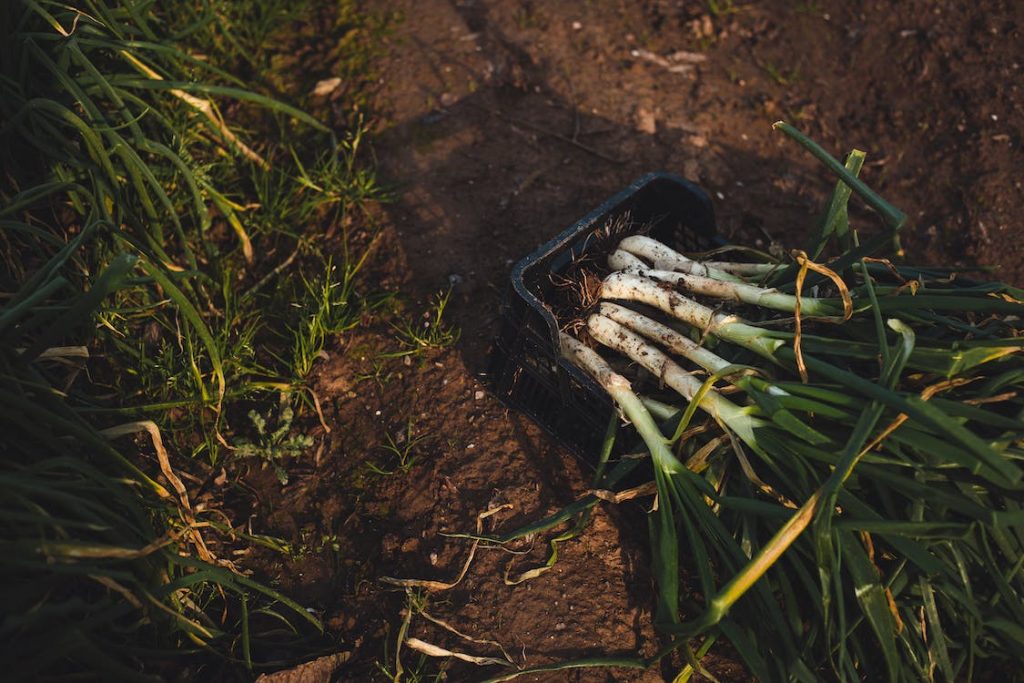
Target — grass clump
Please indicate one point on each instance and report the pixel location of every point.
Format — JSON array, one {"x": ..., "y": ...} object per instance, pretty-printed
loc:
[
  {"x": 129, "y": 133},
  {"x": 177, "y": 240},
  {"x": 431, "y": 332}
]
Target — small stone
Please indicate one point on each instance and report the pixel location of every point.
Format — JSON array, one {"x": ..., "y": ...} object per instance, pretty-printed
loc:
[
  {"x": 478, "y": 395},
  {"x": 576, "y": 26},
  {"x": 645, "y": 121},
  {"x": 326, "y": 87}
]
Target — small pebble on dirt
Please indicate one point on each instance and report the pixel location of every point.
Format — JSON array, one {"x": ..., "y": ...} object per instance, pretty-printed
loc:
[
  {"x": 478, "y": 395},
  {"x": 326, "y": 87},
  {"x": 645, "y": 121}
]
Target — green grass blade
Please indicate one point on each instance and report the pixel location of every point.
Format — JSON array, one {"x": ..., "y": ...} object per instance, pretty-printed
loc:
[
  {"x": 222, "y": 91},
  {"x": 195, "y": 320},
  {"x": 111, "y": 279}
]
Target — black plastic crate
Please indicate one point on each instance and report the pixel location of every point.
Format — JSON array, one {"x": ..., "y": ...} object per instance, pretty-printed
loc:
[{"x": 526, "y": 369}]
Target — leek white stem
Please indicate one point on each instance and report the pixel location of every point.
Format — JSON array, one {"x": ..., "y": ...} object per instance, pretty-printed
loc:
[
  {"x": 664, "y": 258},
  {"x": 631, "y": 287},
  {"x": 665, "y": 336},
  {"x": 621, "y": 339},
  {"x": 619, "y": 389},
  {"x": 623, "y": 260},
  {"x": 729, "y": 291}
]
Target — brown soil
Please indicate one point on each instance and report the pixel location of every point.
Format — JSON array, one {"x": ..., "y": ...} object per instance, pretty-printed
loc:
[{"x": 502, "y": 121}]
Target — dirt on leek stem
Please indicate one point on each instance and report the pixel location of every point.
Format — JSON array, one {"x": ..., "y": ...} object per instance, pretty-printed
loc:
[
  {"x": 628, "y": 287},
  {"x": 665, "y": 258},
  {"x": 665, "y": 336},
  {"x": 741, "y": 292},
  {"x": 619, "y": 388},
  {"x": 621, "y": 339}
]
